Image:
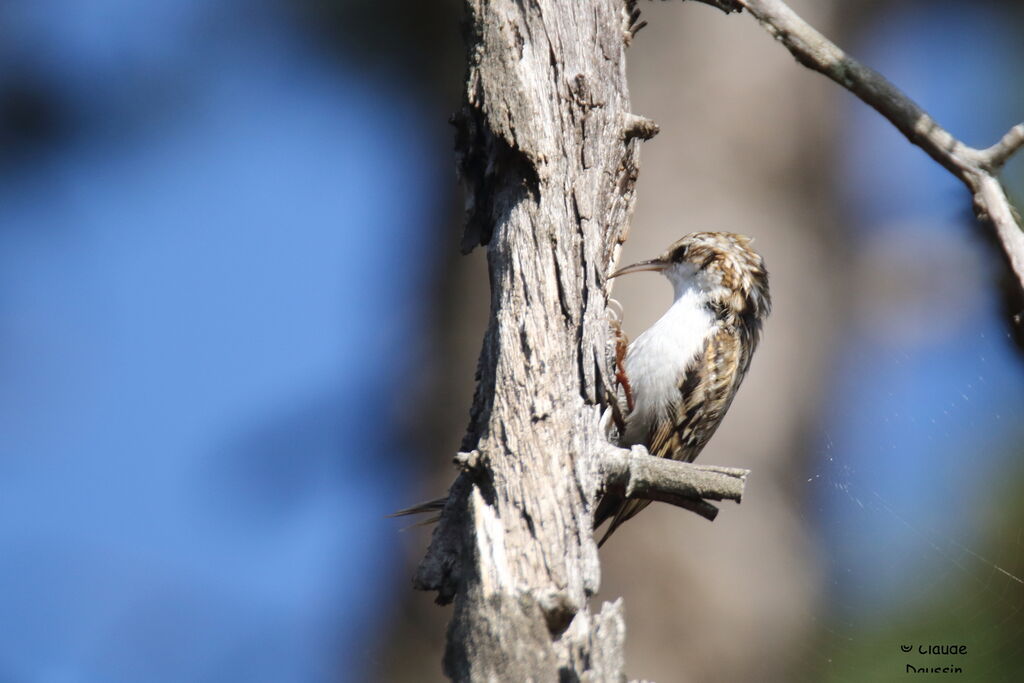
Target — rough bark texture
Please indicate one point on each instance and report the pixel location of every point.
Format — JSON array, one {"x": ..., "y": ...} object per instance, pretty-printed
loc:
[{"x": 548, "y": 156}]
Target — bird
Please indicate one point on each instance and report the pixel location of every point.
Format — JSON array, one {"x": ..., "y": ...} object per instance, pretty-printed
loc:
[{"x": 682, "y": 373}]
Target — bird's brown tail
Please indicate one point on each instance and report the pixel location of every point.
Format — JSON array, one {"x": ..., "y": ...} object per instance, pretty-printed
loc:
[
  {"x": 433, "y": 507},
  {"x": 617, "y": 509}
]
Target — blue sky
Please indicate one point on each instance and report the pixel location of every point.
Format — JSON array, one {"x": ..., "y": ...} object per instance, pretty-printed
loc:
[
  {"x": 927, "y": 388},
  {"x": 203, "y": 332}
]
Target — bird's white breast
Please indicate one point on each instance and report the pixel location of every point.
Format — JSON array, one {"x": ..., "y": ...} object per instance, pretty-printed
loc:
[{"x": 657, "y": 359}]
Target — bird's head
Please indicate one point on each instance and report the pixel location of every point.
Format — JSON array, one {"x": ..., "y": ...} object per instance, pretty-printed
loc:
[{"x": 721, "y": 265}]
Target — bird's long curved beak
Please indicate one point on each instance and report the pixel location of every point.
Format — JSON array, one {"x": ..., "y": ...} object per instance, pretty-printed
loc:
[{"x": 655, "y": 264}]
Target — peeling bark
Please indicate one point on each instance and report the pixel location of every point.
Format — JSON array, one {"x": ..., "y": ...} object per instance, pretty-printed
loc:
[{"x": 548, "y": 154}]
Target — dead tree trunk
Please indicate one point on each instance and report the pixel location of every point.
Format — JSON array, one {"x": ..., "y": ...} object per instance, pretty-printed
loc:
[{"x": 548, "y": 153}]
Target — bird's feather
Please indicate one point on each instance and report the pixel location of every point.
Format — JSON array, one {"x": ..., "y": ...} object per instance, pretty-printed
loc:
[{"x": 703, "y": 400}]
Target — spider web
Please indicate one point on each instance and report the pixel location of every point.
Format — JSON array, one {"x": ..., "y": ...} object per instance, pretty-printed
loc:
[{"x": 915, "y": 500}]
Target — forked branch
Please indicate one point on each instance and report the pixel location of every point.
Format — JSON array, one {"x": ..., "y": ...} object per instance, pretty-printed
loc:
[{"x": 977, "y": 169}]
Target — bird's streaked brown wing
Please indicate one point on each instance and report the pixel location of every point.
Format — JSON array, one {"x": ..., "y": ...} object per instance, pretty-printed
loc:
[{"x": 705, "y": 393}]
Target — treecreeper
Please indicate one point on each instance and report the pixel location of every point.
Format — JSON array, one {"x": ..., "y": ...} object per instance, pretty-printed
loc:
[{"x": 681, "y": 375}]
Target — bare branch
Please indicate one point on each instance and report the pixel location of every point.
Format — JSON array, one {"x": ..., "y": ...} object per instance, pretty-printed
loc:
[
  {"x": 998, "y": 154},
  {"x": 635, "y": 126},
  {"x": 975, "y": 168},
  {"x": 992, "y": 204},
  {"x": 637, "y": 474},
  {"x": 641, "y": 475}
]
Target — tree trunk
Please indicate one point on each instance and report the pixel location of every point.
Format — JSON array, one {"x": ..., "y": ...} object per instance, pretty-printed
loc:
[{"x": 548, "y": 154}]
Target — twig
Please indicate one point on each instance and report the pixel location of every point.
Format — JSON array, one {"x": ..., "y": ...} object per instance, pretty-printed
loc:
[
  {"x": 684, "y": 484},
  {"x": 976, "y": 168},
  {"x": 998, "y": 154}
]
